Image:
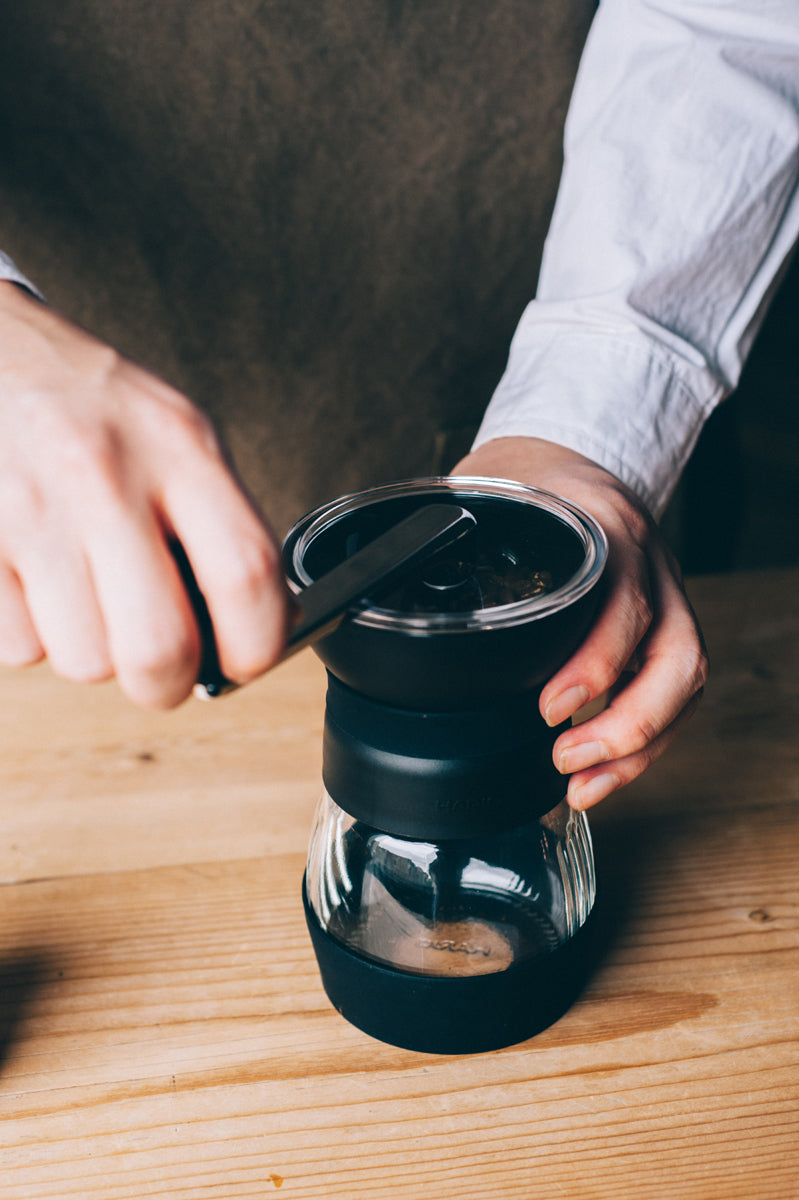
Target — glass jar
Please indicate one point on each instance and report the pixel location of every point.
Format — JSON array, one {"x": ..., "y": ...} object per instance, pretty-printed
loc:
[{"x": 463, "y": 907}]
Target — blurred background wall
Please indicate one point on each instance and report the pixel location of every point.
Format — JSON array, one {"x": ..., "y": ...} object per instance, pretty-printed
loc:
[
  {"x": 323, "y": 220},
  {"x": 738, "y": 503}
]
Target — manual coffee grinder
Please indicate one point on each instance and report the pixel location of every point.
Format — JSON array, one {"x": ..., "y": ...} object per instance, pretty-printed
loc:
[{"x": 449, "y": 887}]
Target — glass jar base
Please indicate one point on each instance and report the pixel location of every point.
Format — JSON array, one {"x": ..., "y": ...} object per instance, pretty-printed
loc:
[{"x": 452, "y": 1014}]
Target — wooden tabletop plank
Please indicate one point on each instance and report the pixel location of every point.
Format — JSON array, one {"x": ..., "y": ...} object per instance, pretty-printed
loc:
[
  {"x": 163, "y": 1031},
  {"x": 125, "y": 788}
]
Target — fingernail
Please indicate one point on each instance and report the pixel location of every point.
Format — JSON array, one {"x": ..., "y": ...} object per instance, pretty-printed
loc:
[
  {"x": 586, "y": 754},
  {"x": 566, "y": 704},
  {"x": 593, "y": 790}
]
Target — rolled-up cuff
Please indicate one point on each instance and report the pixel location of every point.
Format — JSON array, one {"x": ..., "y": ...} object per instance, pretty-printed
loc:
[
  {"x": 10, "y": 271},
  {"x": 623, "y": 402}
]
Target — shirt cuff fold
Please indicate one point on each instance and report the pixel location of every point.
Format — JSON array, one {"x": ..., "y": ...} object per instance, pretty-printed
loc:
[
  {"x": 11, "y": 272},
  {"x": 621, "y": 400}
]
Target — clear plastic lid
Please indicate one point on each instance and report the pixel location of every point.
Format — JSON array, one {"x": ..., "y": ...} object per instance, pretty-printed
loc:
[{"x": 532, "y": 554}]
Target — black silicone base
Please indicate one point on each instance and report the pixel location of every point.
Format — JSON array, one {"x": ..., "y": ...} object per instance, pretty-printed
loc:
[{"x": 452, "y": 1014}]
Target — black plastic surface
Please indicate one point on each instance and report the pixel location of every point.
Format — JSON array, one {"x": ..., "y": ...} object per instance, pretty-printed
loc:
[
  {"x": 439, "y": 775},
  {"x": 432, "y": 669},
  {"x": 452, "y": 1014}
]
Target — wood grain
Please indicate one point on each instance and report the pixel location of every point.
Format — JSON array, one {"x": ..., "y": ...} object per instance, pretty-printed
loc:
[{"x": 164, "y": 1034}]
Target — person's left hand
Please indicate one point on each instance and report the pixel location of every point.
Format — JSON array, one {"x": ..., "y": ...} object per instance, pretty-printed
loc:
[{"x": 645, "y": 646}]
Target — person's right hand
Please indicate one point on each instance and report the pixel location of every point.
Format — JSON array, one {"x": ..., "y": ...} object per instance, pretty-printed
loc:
[{"x": 102, "y": 467}]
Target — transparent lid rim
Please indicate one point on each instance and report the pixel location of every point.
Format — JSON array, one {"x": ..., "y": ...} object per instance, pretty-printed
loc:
[{"x": 521, "y": 611}]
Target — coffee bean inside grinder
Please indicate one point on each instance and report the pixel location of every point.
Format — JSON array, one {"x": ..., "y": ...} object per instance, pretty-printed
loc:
[{"x": 454, "y": 582}]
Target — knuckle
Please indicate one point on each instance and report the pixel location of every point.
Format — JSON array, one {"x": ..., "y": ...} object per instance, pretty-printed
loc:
[
  {"x": 77, "y": 464},
  {"x": 89, "y": 459},
  {"x": 637, "y": 610},
  {"x": 644, "y": 732},
  {"x": 243, "y": 666},
  {"x": 162, "y": 670},
  {"x": 101, "y": 366},
  {"x": 23, "y": 502},
  {"x": 93, "y": 453},
  {"x": 245, "y": 662},
  {"x": 638, "y": 760},
  {"x": 701, "y": 670},
  {"x": 634, "y": 738},
  {"x": 21, "y": 654},
  {"x": 176, "y": 421},
  {"x": 606, "y": 667},
  {"x": 253, "y": 566},
  {"x": 692, "y": 669},
  {"x": 87, "y": 669},
  {"x": 635, "y": 766},
  {"x": 158, "y": 659}
]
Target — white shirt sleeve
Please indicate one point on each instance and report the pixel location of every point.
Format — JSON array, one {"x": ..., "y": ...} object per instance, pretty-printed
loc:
[
  {"x": 677, "y": 210},
  {"x": 9, "y": 270}
]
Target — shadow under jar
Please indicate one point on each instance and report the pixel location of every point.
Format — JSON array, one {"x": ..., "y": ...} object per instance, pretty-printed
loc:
[{"x": 449, "y": 886}]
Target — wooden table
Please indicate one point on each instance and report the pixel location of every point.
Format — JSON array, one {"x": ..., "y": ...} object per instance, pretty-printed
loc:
[{"x": 164, "y": 1033}]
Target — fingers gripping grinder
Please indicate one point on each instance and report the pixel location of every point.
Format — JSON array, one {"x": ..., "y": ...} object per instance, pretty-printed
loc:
[{"x": 449, "y": 886}]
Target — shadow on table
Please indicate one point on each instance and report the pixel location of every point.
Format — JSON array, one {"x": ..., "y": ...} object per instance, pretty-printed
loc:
[
  {"x": 613, "y": 1005},
  {"x": 22, "y": 975},
  {"x": 627, "y": 853},
  {"x": 609, "y": 915}
]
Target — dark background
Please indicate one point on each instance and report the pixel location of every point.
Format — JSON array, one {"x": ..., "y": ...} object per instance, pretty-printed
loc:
[
  {"x": 738, "y": 503},
  {"x": 323, "y": 220}
]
